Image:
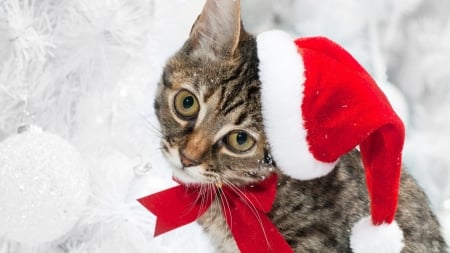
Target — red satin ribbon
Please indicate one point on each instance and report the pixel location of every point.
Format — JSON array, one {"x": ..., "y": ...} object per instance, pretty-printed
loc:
[{"x": 244, "y": 209}]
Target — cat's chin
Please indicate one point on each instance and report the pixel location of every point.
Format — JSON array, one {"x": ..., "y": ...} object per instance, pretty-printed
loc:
[{"x": 187, "y": 176}]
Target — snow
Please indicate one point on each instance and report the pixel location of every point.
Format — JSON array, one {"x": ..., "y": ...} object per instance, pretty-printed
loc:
[{"x": 86, "y": 70}]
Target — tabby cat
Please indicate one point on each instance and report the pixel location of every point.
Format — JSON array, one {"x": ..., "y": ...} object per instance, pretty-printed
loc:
[{"x": 208, "y": 105}]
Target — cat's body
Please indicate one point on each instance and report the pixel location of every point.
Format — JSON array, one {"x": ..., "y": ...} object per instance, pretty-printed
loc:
[
  {"x": 208, "y": 104},
  {"x": 317, "y": 215}
]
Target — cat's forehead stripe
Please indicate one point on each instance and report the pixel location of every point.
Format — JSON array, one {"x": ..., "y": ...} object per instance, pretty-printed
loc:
[
  {"x": 207, "y": 94},
  {"x": 233, "y": 106},
  {"x": 165, "y": 80},
  {"x": 230, "y": 94},
  {"x": 241, "y": 118}
]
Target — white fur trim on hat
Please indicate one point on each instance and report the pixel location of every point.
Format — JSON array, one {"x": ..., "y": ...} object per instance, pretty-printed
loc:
[
  {"x": 383, "y": 238},
  {"x": 281, "y": 72}
]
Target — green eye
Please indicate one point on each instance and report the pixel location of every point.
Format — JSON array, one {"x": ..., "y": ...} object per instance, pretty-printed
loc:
[
  {"x": 186, "y": 104},
  {"x": 239, "y": 141}
]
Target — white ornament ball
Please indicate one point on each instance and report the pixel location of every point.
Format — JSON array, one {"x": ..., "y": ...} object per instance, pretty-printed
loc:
[{"x": 44, "y": 187}]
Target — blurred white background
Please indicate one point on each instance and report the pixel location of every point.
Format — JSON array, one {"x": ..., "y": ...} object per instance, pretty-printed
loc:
[{"x": 86, "y": 71}]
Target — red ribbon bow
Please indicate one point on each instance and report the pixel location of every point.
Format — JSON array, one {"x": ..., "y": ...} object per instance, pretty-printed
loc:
[{"x": 244, "y": 209}]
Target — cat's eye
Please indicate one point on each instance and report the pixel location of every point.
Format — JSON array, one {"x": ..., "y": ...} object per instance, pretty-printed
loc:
[
  {"x": 239, "y": 141},
  {"x": 186, "y": 104}
]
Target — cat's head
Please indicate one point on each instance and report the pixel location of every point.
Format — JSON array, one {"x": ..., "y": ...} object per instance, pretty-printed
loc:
[{"x": 208, "y": 103}]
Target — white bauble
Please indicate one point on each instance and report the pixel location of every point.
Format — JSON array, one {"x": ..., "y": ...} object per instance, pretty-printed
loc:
[{"x": 44, "y": 187}]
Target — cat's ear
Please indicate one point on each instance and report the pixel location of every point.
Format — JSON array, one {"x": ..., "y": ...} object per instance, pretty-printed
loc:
[{"x": 217, "y": 31}]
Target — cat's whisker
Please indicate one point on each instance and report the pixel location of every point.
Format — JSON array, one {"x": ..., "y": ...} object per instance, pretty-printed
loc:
[
  {"x": 202, "y": 197},
  {"x": 158, "y": 149},
  {"x": 226, "y": 205},
  {"x": 247, "y": 201},
  {"x": 210, "y": 194},
  {"x": 153, "y": 132},
  {"x": 151, "y": 126},
  {"x": 189, "y": 209},
  {"x": 216, "y": 203}
]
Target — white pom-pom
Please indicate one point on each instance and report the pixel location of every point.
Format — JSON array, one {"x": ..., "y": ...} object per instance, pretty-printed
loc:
[{"x": 383, "y": 238}]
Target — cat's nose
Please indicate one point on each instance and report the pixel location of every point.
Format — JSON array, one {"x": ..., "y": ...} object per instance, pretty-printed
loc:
[{"x": 186, "y": 161}]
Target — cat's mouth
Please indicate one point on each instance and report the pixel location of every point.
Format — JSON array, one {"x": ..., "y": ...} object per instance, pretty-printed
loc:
[
  {"x": 184, "y": 174},
  {"x": 190, "y": 175}
]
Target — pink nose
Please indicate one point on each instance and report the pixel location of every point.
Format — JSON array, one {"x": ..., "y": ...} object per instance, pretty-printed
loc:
[{"x": 187, "y": 162}]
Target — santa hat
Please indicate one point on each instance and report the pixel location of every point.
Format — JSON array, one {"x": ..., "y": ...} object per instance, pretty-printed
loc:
[{"x": 318, "y": 104}]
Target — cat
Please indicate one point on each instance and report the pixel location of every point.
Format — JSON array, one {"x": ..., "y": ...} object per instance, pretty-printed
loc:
[{"x": 208, "y": 105}]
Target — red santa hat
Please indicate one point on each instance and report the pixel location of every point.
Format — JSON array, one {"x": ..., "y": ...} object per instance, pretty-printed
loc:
[{"x": 318, "y": 104}]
